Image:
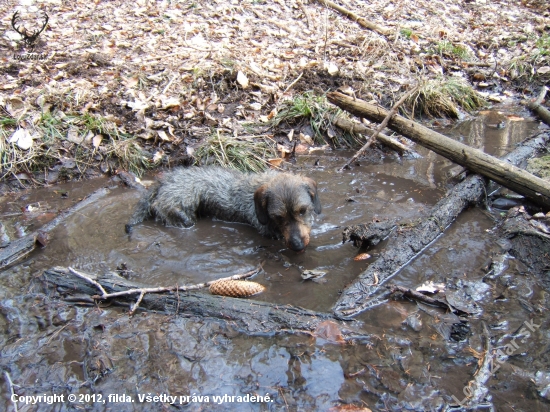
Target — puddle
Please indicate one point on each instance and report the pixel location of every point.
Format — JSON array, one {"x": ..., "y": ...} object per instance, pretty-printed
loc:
[{"x": 52, "y": 347}]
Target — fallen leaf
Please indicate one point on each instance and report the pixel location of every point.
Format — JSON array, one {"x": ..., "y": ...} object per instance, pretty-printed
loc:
[
  {"x": 362, "y": 256},
  {"x": 242, "y": 79},
  {"x": 22, "y": 138},
  {"x": 275, "y": 162},
  {"x": 543, "y": 70},
  {"x": 331, "y": 68},
  {"x": 291, "y": 135},
  {"x": 329, "y": 330},
  {"x": 73, "y": 136},
  {"x": 96, "y": 141}
]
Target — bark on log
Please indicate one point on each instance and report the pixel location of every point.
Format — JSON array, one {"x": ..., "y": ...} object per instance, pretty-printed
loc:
[
  {"x": 19, "y": 248},
  {"x": 354, "y": 127},
  {"x": 406, "y": 245},
  {"x": 512, "y": 177},
  {"x": 250, "y": 316},
  {"x": 539, "y": 109}
]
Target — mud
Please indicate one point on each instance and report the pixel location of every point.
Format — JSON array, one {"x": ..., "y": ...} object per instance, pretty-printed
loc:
[{"x": 411, "y": 362}]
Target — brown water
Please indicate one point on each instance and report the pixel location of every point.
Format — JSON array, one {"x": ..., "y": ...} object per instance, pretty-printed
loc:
[{"x": 56, "y": 348}]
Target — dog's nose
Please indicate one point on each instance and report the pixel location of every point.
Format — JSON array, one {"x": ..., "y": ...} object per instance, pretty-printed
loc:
[{"x": 296, "y": 244}]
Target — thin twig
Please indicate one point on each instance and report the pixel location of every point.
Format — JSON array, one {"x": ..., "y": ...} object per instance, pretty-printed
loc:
[
  {"x": 360, "y": 20},
  {"x": 169, "y": 84},
  {"x": 293, "y": 83},
  {"x": 382, "y": 126},
  {"x": 11, "y": 385},
  {"x": 89, "y": 280},
  {"x": 136, "y": 305},
  {"x": 304, "y": 10},
  {"x": 163, "y": 289}
]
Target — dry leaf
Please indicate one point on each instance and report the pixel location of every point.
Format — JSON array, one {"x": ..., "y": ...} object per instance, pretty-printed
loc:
[
  {"x": 157, "y": 157},
  {"x": 131, "y": 81},
  {"x": 242, "y": 79},
  {"x": 275, "y": 162},
  {"x": 73, "y": 136},
  {"x": 305, "y": 138},
  {"x": 96, "y": 141},
  {"x": 22, "y": 138},
  {"x": 362, "y": 256},
  {"x": 331, "y": 68},
  {"x": 162, "y": 134},
  {"x": 329, "y": 330}
]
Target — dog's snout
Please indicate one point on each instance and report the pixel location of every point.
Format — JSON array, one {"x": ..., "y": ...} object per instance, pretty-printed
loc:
[{"x": 296, "y": 243}]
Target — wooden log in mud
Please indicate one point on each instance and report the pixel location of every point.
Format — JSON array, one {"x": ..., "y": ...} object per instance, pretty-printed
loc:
[
  {"x": 520, "y": 181},
  {"x": 538, "y": 108},
  {"x": 354, "y": 127},
  {"x": 250, "y": 316},
  {"x": 407, "y": 244},
  {"x": 19, "y": 248}
]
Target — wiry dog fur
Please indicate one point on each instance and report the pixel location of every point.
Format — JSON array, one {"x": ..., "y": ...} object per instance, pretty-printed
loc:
[{"x": 279, "y": 205}]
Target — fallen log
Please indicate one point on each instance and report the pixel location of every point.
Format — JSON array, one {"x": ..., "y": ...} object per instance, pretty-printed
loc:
[
  {"x": 250, "y": 316},
  {"x": 534, "y": 188},
  {"x": 354, "y": 127},
  {"x": 538, "y": 108},
  {"x": 380, "y": 127},
  {"x": 407, "y": 244},
  {"x": 19, "y": 248}
]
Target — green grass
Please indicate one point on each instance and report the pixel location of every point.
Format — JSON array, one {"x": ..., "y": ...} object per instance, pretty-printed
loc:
[{"x": 447, "y": 48}]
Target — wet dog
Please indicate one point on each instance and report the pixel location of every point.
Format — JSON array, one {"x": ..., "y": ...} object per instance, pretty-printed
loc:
[{"x": 279, "y": 205}]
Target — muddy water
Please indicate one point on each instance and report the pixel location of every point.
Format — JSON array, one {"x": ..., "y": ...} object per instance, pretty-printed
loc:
[{"x": 55, "y": 348}]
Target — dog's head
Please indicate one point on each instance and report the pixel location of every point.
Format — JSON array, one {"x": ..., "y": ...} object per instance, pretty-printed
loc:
[{"x": 286, "y": 204}]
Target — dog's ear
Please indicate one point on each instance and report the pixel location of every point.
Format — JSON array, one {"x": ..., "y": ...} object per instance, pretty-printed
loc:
[
  {"x": 260, "y": 203},
  {"x": 312, "y": 189}
]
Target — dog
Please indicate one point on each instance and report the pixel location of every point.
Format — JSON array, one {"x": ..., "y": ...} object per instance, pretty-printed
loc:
[{"x": 278, "y": 205}]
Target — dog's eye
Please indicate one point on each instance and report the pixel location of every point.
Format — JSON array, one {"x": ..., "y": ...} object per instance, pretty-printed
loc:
[{"x": 303, "y": 211}]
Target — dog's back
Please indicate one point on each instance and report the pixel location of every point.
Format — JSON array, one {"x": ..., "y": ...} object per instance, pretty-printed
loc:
[{"x": 276, "y": 204}]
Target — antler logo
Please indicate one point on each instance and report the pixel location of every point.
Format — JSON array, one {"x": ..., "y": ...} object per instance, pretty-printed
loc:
[{"x": 28, "y": 37}]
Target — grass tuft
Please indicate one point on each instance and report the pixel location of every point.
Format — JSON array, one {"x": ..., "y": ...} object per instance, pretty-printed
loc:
[
  {"x": 442, "y": 98},
  {"x": 243, "y": 154},
  {"x": 308, "y": 107}
]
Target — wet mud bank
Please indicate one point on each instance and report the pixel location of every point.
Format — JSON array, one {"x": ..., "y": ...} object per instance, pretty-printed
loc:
[{"x": 400, "y": 354}]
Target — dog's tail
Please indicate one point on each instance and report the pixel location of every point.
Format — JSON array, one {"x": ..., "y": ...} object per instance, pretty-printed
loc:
[{"x": 143, "y": 209}]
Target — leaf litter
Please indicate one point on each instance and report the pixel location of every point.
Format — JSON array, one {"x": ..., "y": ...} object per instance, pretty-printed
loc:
[{"x": 137, "y": 85}]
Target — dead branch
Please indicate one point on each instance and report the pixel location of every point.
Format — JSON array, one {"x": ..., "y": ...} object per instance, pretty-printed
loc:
[
  {"x": 381, "y": 127},
  {"x": 354, "y": 127},
  {"x": 248, "y": 315},
  {"x": 21, "y": 247},
  {"x": 413, "y": 294},
  {"x": 512, "y": 177},
  {"x": 408, "y": 244},
  {"x": 104, "y": 295},
  {"x": 477, "y": 387},
  {"x": 10, "y": 384},
  {"x": 538, "y": 108},
  {"x": 360, "y": 20}
]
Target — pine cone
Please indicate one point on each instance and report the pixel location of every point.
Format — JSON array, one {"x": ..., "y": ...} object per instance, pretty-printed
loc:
[{"x": 236, "y": 288}]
